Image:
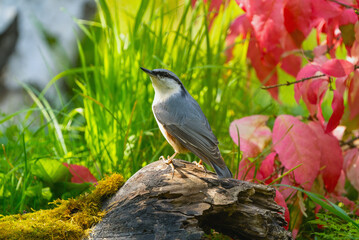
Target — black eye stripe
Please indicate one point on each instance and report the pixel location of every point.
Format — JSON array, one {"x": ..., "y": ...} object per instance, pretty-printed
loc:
[{"x": 164, "y": 73}]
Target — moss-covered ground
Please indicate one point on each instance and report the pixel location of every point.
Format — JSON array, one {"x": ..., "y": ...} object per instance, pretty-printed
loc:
[{"x": 69, "y": 219}]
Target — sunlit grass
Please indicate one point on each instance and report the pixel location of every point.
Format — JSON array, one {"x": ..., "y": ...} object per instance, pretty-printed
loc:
[
  {"x": 40, "y": 136},
  {"x": 121, "y": 132}
]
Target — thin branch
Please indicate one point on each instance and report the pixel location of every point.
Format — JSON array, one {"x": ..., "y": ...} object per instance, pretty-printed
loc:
[
  {"x": 300, "y": 80},
  {"x": 290, "y": 83},
  {"x": 344, "y": 5},
  {"x": 350, "y": 143}
]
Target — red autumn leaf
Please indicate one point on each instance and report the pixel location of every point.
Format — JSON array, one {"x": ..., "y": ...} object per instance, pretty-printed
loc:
[
  {"x": 265, "y": 70},
  {"x": 296, "y": 144},
  {"x": 337, "y": 105},
  {"x": 351, "y": 167},
  {"x": 80, "y": 174},
  {"x": 249, "y": 149},
  {"x": 307, "y": 71},
  {"x": 239, "y": 27},
  {"x": 338, "y": 111},
  {"x": 331, "y": 160},
  {"x": 291, "y": 64},
  {"x": 337, "y": 68},
  {"x": 290, "y": 43},
  {"x": 268, "y": 80},
  {"x": 279, "y": 199},
  {"x": 340, "y": 188},
  {"x": 349, "y": 156},
  {"x": 353, "y": 95},
  {"x": 348, "y": 16},
  {"x": 316, "y": 91},
  {"x": 252, "y": 129},
  {"x": 297, "y": 20},
  {"x": 354, "y": 51},
  {"x": 246, "y": 170},
  {"x": 267, "y": 21},
  {"x": 325, "y": 9},
  {"x": 288, "y": 192},
  {"x": 311, "y": 91},
  {"x": 320, "y": 50},
  {"x": 267, "y": 168}
]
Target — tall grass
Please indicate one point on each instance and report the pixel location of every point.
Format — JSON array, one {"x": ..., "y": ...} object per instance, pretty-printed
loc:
[
  {"x": 30, "y": 149},
  {"x": 121, "y": 132}
]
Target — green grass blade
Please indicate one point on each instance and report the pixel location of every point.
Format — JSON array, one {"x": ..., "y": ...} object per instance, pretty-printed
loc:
[{"x": 325, "y": 203}]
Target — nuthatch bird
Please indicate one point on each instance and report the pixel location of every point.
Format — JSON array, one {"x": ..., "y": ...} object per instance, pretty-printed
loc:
[{"x": 182, "y": 121}]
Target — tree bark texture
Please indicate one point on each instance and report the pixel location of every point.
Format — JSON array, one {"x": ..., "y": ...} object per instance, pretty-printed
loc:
[{"x": 156, "y": 204}]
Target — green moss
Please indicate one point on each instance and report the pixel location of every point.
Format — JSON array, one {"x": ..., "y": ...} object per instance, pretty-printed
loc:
[
  {"x": 70, "y": 219},
  {"x": 333, "y": 227}
]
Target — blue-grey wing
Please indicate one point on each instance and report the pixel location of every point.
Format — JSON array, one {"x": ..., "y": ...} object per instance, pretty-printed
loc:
[{"x": 183, "y": 118}]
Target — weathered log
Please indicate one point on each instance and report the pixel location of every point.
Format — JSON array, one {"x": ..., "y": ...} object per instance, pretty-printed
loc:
[{"x": 154, "y": 205}]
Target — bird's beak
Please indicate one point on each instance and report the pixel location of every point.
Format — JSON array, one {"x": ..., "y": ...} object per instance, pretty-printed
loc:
[{"x": 147, "y": 71}]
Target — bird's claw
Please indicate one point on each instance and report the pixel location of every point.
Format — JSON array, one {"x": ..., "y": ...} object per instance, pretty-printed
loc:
[
  {"x": 200, "y": 165},
  {"x": 169, "y": 161}
]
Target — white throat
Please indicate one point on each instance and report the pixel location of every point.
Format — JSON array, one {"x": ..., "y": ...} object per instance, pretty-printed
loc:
[
  {"x": 162, "y": 93},
  {"x": 161, "y": 96}
]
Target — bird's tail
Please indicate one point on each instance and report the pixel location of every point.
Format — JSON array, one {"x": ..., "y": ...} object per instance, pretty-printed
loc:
[{"x": 222, "y": 172}]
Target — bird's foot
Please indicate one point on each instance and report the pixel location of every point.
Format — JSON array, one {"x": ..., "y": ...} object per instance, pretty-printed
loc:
[
  {"x": 200, "y": 165},
  {"x": 169, "y": 161}
]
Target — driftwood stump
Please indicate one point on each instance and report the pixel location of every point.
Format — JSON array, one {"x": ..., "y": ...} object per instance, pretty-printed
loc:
[{"x": 153, "y": 205}]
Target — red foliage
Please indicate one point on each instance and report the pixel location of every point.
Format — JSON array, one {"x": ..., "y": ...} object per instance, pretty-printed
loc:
[
  {"x": 295, "y": 144},
  {"x": 353, "y": 95},
  {"x": 279, "y": 199},
  {"x": 297, "y": 19},
  {"x": 80, "y": 174},
  {"x": 337, "y": 68},
  {"x": 276, "y": 30},
  {"x": 251, "y": 129},
  {"x": 331, "y": 158},
  {"x": 337, "y": 106},
  {"x": 351, "y": 167}
]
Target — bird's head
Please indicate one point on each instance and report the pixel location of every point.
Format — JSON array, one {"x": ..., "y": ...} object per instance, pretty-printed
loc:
[{"x": 164, "y": 80}]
